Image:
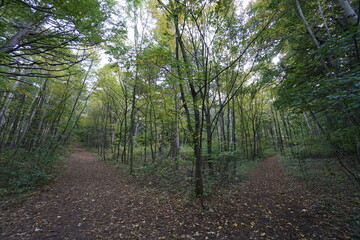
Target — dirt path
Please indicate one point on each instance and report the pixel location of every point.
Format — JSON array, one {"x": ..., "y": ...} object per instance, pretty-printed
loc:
[
  {"x": 271, "y": 206},
  {"x": 93, "y": 201}
]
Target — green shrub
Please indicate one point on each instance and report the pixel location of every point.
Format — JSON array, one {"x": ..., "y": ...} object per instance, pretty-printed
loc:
[{"x": 26, "y": 171}]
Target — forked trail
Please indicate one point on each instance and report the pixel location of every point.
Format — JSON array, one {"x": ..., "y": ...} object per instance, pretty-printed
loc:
[{"x": 92, "y": 200}]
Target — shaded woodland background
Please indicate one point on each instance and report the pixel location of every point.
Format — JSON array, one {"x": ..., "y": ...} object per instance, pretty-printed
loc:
[{"x": 192, "y": 96}]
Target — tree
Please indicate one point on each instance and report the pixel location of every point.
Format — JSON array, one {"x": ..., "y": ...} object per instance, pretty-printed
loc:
[
  {"x": 42, "y": 38},
  {"x": 319, "y": 49}
]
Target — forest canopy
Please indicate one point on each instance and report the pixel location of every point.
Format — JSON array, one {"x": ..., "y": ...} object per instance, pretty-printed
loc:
[{"x": 193, "y": 89}]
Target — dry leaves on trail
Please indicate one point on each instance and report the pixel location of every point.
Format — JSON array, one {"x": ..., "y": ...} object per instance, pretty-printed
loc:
[{"x": 92, "y": 200}]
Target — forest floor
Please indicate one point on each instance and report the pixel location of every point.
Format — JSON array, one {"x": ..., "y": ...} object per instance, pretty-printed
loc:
[{"x": 93, "y": 200}]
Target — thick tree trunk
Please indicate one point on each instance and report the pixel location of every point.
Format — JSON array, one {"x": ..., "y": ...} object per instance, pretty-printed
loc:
[{"x": 15, "y": 40}]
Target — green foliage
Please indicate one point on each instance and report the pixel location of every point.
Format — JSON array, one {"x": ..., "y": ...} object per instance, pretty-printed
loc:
[
  {"x": 244, "y": 166},
  {"x": 27, "y": 171},
  {"x": 315, "y": 171},
  {"x": 269, "y": 152},
  {"x": 187, "y": 151},
  {"x": 193, "y": 79},
  {"x": 312, "y": 149}
]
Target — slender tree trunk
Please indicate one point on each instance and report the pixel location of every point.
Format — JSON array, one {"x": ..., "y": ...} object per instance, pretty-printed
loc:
[
  {"x": 74, "y": 106},
  {"x": 349, "y": 12},
  {"x": 280, "y": 137},
  {"x": 145, "y": 135},
  {"x": 175, "y": 140},
  {"x": 287, "y": 130},
  {"x": 312, "y": 35},
  {"x": 34, "y": 106},
  {"x": 8, "y": 98},
  {"x": 196, "y": 131},
  {"x": 234, "y": 135},
  {"x": 17, "y": 127},
  {"x": 228, "y": 122},
  {"x": 324, "y": 19},
  {"x": 154, "y": 134},
  {"x": 209, "y": 135},
  {"x": 308, "y": 28},
  {"x": 120, "y": 139},
  {"x": 132, "y": 128}
]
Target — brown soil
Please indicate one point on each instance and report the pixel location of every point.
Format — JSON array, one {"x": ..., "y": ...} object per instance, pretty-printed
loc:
[{"x": 93, "y": 200}]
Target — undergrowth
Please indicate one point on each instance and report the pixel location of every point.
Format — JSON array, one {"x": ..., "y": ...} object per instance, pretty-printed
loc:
[
  {"x": 336, "y": 193},
  {"x": 25, "y": 172},
  {"x": 176, "y": 175}
]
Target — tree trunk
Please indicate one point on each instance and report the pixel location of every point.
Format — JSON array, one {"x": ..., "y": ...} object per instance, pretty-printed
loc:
[
  {"x": 175, "y": 140},
  {"x": 209, "y": 135},
  {"x": 349, "y": 12},
  {"x": 14, "y": 41},
  {"x": 308, "y": 28},
  {"x": 196, "y": 131},
  {"x": 324, "y": 19},
  {"x": 234, "y": 135},
  {"x": 132, "y": 128}
]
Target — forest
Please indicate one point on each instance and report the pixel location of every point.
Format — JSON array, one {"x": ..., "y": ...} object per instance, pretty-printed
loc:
[{"x": 183, "y": 96}]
